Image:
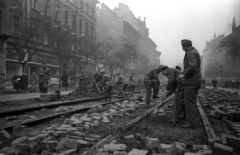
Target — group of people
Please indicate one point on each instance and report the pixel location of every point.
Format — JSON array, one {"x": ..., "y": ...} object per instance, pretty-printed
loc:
[
  {"x": 103, "y": 82},
  {"x": 222, "y": 83},
  {"x": 20, "y": 82},
  {"x": 184, "y": 83}
]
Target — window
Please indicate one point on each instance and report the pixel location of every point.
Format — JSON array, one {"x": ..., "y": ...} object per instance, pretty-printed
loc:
[
  {"x": 80, "y": 26},
  {"x": 87, "y": 8},
  {"x": 66, "y": 16},
  {"x": 57, "y": 9},
  {"x": 92, "y": 30},
  {"x": 35, "y": 4},
  {"x": 86, "y": 29},
  {"x": 15, "y": 29},
  {"x": 47, "y": 9},
  {"x": 74, "y": 21},
  {"x": 82, "y": 5},
  {"x": 93, "y": 12},
  {"x": 1, "y": 21}
]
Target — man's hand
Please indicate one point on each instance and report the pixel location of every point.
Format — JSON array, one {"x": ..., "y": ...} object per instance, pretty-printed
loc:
[{"x": 180, "y": 76}]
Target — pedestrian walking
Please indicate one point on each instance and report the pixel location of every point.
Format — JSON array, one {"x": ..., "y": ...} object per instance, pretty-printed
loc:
[
  {"x": 43, "y": 78},
  {"x": 33, "y": 82},
  {"x": 191, "y": 80},
  {"x": 107, "y": 85},
  {"x": 16, "y": 82},
  {"x": 65, "y": 80},
  {"x": 23, "y": 82},
  {"x": 152, "y": 83},
  {"x": 214, "y": 83}
]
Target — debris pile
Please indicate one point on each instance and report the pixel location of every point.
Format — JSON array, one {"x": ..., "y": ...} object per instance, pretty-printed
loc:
[{"x": 223, "y": 107}]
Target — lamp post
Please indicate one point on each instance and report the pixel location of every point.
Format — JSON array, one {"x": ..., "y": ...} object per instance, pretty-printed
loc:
[{"x": 3, "y": 39}]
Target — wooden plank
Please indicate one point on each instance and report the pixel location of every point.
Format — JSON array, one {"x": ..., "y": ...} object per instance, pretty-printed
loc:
[
  {"x": 207, "y": 124},
  {"x": 140, "y": 117}
]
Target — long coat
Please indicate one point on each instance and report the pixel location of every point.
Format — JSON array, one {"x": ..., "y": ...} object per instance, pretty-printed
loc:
[
  {"x": 23, "y": 82},
  {"x": 44, "y": 76},
  {"x": 65, "y": 80}
]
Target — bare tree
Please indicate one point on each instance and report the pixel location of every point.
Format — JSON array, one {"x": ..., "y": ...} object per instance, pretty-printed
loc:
[
  {"x": 86, "y": 47},
  {"x": 61, "y": 41},
  {"x": 25, "y": 44}
]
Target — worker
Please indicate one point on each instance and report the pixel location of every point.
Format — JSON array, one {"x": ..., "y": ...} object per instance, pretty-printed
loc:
[
  {"x": 172, "y": 75},
  {"x": 44, "y": 76},
  {"x": 214, "y": 83},
  {"x": 174, "y": 84},
  {"x": 191, "y": 80},
  {"x": 203, "y": 84},
  {"x": 151, "y": 81},
  {"x": 106, "y": 83},
  {"x": 131, "y": 83},
  {"x": 120, "y": 84}
]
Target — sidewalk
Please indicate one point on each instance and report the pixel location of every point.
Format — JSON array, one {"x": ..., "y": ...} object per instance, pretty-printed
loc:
[{"x": 13, "y": 97}]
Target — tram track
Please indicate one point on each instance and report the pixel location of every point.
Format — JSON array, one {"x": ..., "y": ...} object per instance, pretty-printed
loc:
[{"x": 81, "y": 105}]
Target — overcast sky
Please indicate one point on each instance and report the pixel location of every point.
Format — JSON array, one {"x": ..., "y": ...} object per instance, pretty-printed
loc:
[{"x": 169, "y": 21}]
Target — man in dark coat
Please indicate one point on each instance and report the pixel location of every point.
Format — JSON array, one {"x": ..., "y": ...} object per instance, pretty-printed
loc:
[
  {"x": 16, "y": 82},
  {"x": 44, "y": 77},
  {"x": 120, "y": 84},
  {"x": 107, "y": 85},
  {"x": 23, "y": 82},
  {"x": 203, "y": 85},
  {"x": 214, "y": 83},
  {"x": 65, "y": 80},
  {"x": 151, "y": 82},
  {"x": 172, "y": 75},
  {"x": 131, "y": 83},
  {"x": 191, "y": 80}
]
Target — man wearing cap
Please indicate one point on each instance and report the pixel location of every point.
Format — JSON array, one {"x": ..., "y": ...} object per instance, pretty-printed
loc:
[
  {"x": 107, "y": 85},
  {"x": 172, "y": 75},
  {"x": 151, "y": 81},
  {"x": 191, "y": 80}
]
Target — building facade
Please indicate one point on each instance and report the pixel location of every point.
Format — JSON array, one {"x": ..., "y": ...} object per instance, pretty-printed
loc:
[
  {"x": 77, "y": 15},
  {"x": 146, "y": 45}
]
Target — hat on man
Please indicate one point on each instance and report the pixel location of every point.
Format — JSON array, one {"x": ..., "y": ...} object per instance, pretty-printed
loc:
[
  {"x": 102, "y": 72},
  {"x": 186, "y": 42}
]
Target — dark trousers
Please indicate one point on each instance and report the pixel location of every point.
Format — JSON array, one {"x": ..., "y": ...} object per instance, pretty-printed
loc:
[
  {"x": 188, "y": 98},
  {"x": 42, "y": 89},
  {"x": 149, "y": 85}
]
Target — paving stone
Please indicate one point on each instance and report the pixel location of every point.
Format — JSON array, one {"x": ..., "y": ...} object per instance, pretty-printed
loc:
[
  {"x": 77, "y": 133},
  {"x": 5, "y": 134},
  {"x": 37, "y": 138},
  {"x": 130, "y": 141},
  {"x": 233, "y": 142},
  {"x": 137, "y": 152},
  {"x": 120, "y": 153},
  {"x": 68, "y": 152},
  {"x": 219, "y": 149},
  {"x": 83, "y": 142},
  {"x": 97, "y": 117},
  {"x": 21, "y": 148},
  {"x": 19, "y": 130},
  {"x": 96, "y": 122},
  {"x": 67, "y": 143},
  {"x": 100, "y": 108},
  {"x": 45, "y": 152},
  {"x": 11, "y": 118},
  {"x": 190, "y": 153},
  {"x": 115, "y": 147},
  {"x": 9, "y": 151},
  {"x": 151, "y": 143},
  {"x": 106, "y": 120},
  {"x": 200, "y": 147},
  {"x": 19, "y": 140}
]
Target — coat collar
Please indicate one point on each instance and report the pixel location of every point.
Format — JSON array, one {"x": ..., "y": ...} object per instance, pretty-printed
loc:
[{"x": 191, "y": 49}]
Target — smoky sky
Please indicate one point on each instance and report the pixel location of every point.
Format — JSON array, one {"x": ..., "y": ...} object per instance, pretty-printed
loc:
[{"x": 170, "y": 21}]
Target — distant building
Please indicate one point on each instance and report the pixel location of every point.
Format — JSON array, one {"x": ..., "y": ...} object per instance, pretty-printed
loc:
[{"x": 146, "y": 44}]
